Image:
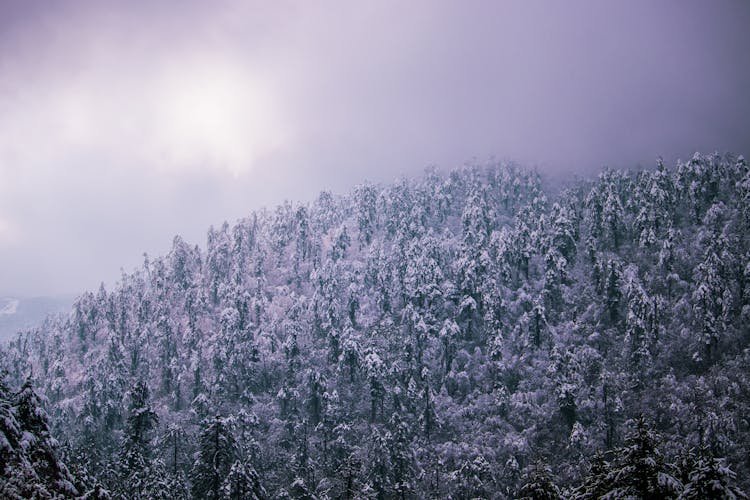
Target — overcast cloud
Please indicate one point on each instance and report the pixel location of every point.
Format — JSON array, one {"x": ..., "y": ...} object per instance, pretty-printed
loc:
[{"x": 124, "y": 123}]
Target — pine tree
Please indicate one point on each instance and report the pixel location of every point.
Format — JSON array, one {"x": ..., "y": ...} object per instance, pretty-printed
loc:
[
  {"x": 217, "y": 451},
  {"x": 242, "y": 483},
  {"x": 639, "y": 470},
  {"x": 401, "y": 460},
  {"x": 29, "y": 456},
  {"x": 379, "y": 482},
  {"x": 613, "y": 297},
  {"x": 141, "y": 419},
  {"x": 710, "y": 479},
  {"x": 538, "y": 483}
]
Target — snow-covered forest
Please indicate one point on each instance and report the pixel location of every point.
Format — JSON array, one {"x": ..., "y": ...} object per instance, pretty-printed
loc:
[{"x": 479, "y": 333}]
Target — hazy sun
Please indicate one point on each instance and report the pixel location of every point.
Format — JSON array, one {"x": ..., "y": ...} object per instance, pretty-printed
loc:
[{"x": 216, "y": 116}]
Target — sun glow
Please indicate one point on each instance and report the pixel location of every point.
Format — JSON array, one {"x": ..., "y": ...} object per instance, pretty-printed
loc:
[
  {"x": 193, "y": 114},
  {"x": 215, "y": 116}
]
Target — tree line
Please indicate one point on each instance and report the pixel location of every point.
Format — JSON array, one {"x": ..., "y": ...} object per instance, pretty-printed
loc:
[{"x": 482, "y": 333}]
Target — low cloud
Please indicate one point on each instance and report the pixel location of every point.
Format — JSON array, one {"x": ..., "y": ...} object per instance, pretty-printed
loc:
[{"x": 122, "y": 123}]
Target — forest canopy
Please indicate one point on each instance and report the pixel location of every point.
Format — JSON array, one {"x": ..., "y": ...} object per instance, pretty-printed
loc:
[{"x": 481, "y": 333}]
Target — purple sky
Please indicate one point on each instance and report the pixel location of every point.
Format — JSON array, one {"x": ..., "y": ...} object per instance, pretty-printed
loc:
[{"x": 124, "y": 123}]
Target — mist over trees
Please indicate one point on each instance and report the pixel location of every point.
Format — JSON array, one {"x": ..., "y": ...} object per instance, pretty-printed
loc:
[{"x": 474, "y": 334}]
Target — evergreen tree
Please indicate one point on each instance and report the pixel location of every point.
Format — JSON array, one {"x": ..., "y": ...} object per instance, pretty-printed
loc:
[
  {"x": 538, "y": 484},
  {"x": 142, "y": 419},
  {"x": 242, "y": 483},
  {"x": 29, "y": 457},
  {"x": 217, "y": 452},
  {"x": 639, "y": 470},
  {"x": 709, "y": 479}
]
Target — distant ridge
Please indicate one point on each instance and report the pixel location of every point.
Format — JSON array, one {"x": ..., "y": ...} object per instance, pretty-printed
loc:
[{"x": 19, "y": 313}]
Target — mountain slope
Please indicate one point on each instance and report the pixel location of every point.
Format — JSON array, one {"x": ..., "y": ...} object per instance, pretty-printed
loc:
[{"x": 441, "y": 337}]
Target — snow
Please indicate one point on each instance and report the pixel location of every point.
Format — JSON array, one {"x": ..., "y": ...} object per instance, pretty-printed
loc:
[{"x": 10, "y": 307}]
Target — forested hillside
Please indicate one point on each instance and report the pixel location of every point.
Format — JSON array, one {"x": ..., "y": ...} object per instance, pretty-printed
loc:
[{"x": 475, "y": 334}]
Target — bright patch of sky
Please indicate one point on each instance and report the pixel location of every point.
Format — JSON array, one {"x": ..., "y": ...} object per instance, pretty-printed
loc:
[{"x": 123, "y": 123}]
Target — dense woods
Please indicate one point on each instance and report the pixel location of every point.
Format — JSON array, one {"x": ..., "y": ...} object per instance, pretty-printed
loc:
[{"x": 476, "y": 334}]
